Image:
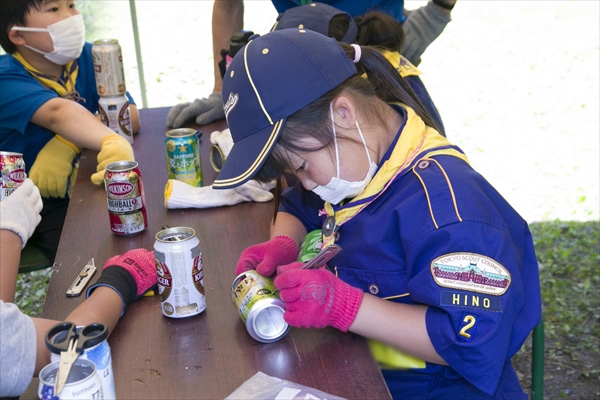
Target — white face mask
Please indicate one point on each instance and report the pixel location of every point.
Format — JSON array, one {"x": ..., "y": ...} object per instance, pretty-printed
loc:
[
  {"x": 68, "y": 38},
  {"x": 338, "y": 189}
]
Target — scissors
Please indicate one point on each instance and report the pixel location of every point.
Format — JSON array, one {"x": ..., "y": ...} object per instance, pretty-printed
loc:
[
  {"x": 70, "y": 345},
  {"x": 322, "y": 257}
]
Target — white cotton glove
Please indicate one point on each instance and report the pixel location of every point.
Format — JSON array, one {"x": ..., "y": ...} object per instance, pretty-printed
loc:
[
  {"x": 20, "y": 211},
  {"x": 204, "y": 111},
  {"x": 181, "y": 195},
  {"x": 221, "y": 146}
]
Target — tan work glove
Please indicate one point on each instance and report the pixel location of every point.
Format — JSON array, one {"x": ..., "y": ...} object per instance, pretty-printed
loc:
[
  {"x": 114, "y": 148},
  {"x": 53, "y": 167}
]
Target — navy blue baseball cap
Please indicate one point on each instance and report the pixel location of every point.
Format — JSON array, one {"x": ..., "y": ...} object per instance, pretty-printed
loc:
[
  {"x": 316, "y": 17},
  {"x": 268, "y": 80}
]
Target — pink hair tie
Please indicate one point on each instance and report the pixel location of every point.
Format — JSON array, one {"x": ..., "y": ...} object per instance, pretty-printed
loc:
[{"x": 357, "y": 52}]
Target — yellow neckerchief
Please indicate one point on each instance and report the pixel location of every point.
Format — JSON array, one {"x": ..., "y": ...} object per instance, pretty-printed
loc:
[
  {"x": 402, "y": 65},
  {"x": 65, "y": 86},
  {"x": 416, "y": 138}
]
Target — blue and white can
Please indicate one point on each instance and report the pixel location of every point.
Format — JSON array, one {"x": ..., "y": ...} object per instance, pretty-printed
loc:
[
  {"x": 82, "y": 383},
  {"x": 101, "y": 357}
]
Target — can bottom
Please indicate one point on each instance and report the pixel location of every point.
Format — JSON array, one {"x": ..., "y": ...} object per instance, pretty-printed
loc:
[{"x": 266, "y": 324}]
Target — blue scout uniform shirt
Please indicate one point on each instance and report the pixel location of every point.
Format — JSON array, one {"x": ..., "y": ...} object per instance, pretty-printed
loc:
[
  {"x": 21, "y": 95},
  {"x": 395, "y": 8},
  {"x": 441, "y": 235}
]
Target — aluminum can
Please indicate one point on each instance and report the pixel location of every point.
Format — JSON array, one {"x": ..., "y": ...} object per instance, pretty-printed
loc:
[
  {"x": 101, "y": 357},
  {"x": 108, "y": 67},
  {"x": 13, "y": 172},
  {"x": 83, "y": 382},
  {"x": 259, "y": 306},
  {"x": 311, "y": 245},
  {"x": 183, "y": 156},
  {"x": 180, "y": 276},
  {"x": 114, "y": 113},
  {"x": 125, "y": 198}
]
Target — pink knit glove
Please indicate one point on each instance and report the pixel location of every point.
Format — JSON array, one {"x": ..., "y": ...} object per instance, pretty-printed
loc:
[
  {"x": 316, "y": 298},
  {"x": 266, "y": 257},
  {"x": 131, "y": 275}
]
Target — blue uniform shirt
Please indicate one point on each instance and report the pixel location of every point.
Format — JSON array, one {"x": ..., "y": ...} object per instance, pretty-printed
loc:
[
  {"x": 21, "y": 95},
  {"x": 441, "y": 235},
  {"x": 395, "y": 8}
]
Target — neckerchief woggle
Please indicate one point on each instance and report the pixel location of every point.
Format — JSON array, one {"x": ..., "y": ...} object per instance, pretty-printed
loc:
[
  {"x": 65, "y": 86},
  {"x": 416, "y": 140}
]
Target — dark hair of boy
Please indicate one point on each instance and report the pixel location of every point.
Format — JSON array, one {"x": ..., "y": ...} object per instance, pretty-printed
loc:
[{"x": 13, "y": 12}]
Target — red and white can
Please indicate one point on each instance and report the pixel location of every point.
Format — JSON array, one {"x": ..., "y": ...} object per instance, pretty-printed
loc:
[
  {"x": 13, "y": 172},
  {"x": 114, "y": 113},
  {"x": 180, "y": 274},
  {"x": 125, "y": 197},
  {"x": 108, "y": 67}
]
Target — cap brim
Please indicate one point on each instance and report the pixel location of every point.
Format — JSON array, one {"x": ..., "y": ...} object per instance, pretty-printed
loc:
[{"x": 235, "y": 171}]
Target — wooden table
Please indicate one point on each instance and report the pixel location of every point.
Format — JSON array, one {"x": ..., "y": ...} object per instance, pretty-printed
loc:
[{"x": 211, "y": 354}]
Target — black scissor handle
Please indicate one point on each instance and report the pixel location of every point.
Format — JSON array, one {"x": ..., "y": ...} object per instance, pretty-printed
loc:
[
  {"x": 63, "y": 343},
  {"x": 91, "y": 335}
]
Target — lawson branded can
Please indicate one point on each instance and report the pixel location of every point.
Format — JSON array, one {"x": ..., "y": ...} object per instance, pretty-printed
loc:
[
  {"x": 108, "y": 67},
  {"x": 311, "y": 245},
  {"x": 83, "y": 382},
  {"x": 183, "y": 156},
  {"x": 125, "y": 198},
  {"x": 259, "y": 306},
  {"x": 101, "y": 357},
  {"x": 12, "y": 167},
  {"x": 180, "y": 276},
  {"x": 114, "y": 113}
]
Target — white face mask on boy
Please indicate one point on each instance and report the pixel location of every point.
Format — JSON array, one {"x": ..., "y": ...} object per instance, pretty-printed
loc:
[
  {"x": 68, "y": 38},
  {"x": 339, "y": 189}
]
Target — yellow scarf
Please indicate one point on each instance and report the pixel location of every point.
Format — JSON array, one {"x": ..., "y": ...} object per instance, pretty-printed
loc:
[
  {"x": 65, "y": 86},
  {"x": 415, "y": 139},
  {"x": 402, "y": 65}
]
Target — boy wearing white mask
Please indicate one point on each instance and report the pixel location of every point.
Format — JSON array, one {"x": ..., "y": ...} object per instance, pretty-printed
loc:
[{"x": 48, "y": 103}]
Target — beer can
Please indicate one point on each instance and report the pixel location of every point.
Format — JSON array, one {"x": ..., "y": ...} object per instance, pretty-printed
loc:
[
  {"x": 259, "y": 306},
  {"x": 125, "y": 198},
  {"x": 83, "y": 382},
  {"x": 13, "y": 172},
  {"x": 108, "y": 67},
  {"x": 101, "y": 357},
  {"x": 311, "y": 245},
  {"x": 180, "y": 276},
  {"x": 183, "y": 156},
  {"x": 114, "y": 113}
]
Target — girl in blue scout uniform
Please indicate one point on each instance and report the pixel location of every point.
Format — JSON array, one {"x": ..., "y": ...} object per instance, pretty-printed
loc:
[
  {"x": 48, "y": 99},
  {"x": 436, "y": 269}
]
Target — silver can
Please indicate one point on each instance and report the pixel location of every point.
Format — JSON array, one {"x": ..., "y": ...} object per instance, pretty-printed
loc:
[
  {"x": 114, "y": 113},
  {"x": 259, "y": 306},
  {"x": 125, "y": 198},
  {"x": 101, "y": 357},
  {"x": 180, "y": 276},
  {"x": 108, "y": 67},
  {"x": 83, "y": 382},
  {"x": 13, "y": 172}
]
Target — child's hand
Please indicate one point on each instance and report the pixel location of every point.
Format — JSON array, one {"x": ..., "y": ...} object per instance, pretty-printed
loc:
[
  {"x": 203, "y": 111},
  {"x": 114, "y": 148},
  {"x": 53, "y": 166},
  {"x": 316, "y": 298},
  {"x": 266, "y": 257}
]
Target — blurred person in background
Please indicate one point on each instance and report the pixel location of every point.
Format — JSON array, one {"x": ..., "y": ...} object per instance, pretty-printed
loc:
[{"x": 421, "y": 26}]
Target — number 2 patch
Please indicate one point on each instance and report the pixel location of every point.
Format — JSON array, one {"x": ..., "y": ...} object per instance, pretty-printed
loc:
[{"x": 467, "y": 327}]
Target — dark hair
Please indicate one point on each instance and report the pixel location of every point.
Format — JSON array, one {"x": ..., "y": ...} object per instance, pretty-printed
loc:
[
  {"x": 382, "y": 85},
  {"x": 13, "y": 12},
  {"x": 379, "y": 29}
]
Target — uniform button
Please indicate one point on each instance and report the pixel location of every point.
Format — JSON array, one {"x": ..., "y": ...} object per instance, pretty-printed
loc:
[
  {"x": 423, "y": 164},
  {"x": 373, "y": 288},
  {"x": 337, "y": 236}
]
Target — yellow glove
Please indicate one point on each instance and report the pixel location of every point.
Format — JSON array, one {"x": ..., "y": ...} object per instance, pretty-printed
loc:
[
  {"x": 114, "y": 148},
  {"x": 53, "y": 166}
]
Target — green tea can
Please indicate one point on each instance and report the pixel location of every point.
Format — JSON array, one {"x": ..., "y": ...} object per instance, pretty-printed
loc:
[
  {"x": 311, "y": 245},
  {"x": 183, "y": 156}
]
